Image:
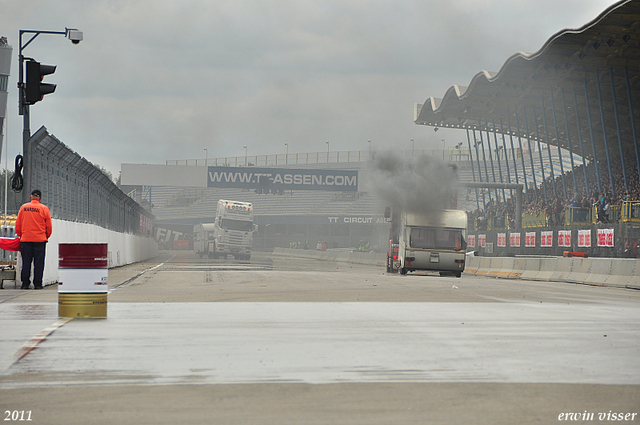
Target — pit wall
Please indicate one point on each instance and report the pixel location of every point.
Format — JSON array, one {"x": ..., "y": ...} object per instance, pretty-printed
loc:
[
  {"x": 615, "y": 272},
  {"x": 122, "y": 248}
]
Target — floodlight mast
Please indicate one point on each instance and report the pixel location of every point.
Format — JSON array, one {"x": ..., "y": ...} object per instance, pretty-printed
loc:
[{"x": 23, "y": 107}]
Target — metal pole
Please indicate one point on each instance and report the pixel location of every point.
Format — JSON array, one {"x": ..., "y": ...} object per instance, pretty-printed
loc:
[
  {"x": 524, "y": 170},
  {"x": 484, "y": 157},
  {"x": 546, "y": 135},
  {"x": 544, "y": 180},
  {"x": 555, "y": 124},
  {"x": 493, "y": 170},
  {"x": 23, "y": 109},
  {"x": 615, "y": 113},
  {"x": 584, "y": 161},
  {"x": 475, "y": 144},
  {"x": 473, "y": 173},
  {"x": 604, "y": 134},
  {"x": 506, "y": 155},
  {"x": 633, "y": 122},
  {"x": 513, "y": 150},
  {"x": 533, "y": 170},
  {"x": 593, "y": 143},
  {"x": 566, "y": 125},
  {"x": 495, "y": 138}
]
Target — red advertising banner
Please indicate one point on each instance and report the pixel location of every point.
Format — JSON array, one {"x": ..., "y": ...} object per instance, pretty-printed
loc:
[
  {"x": 564, "y": 238},
  {"x": 584, "y": 238},
  {"x": 546, "y": 239},
  {"x": 514, "y": 239},
  {"x": 605, "y": 237},
  {"x": 530, "y": 239},
  {"x": 482, "y": 241},
  {"x": 471, "y": 241},
  {"x": 502, "y": 239}
]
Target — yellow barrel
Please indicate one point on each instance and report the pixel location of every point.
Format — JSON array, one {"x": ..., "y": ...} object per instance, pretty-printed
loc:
[{"x": 82, "y": 305}]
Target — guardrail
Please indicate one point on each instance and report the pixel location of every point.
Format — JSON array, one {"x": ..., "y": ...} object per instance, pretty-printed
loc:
[{"x": 631, "y": 212}]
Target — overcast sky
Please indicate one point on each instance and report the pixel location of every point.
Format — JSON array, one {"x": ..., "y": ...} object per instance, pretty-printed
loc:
[{"x": 157, "y": 80}]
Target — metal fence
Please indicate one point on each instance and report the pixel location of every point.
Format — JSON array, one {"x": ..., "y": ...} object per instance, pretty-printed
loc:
[{"x": 76, "y": 190}]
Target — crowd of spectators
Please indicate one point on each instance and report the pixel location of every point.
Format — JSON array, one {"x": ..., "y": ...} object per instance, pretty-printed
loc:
[{"x": 555, "y": 202}]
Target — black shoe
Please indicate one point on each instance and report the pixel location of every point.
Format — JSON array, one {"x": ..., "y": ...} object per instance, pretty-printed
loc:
[
  {"x": 37, "y": 287},
  {"x": 24, "y": 287}
]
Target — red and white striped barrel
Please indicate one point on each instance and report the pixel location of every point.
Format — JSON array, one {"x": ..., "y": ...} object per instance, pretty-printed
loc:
[{"x": 83, "y": 280}]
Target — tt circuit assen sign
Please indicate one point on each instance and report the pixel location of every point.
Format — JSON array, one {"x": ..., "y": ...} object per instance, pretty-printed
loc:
[{"x": 283, "y": 179}]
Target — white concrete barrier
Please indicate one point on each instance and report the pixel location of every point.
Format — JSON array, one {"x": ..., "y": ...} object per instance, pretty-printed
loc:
[
  {"x": 519, "y": 266},
  {"x": 547, "y": 267},
  {"x": 471, "y": 264},
  {"x": 531, "y": 269},
  {"x": 600, "y": 271},
  {"x": 122, "y": 248},
  {"x": 580, "y": 270},
  {"x": 622, "y": 271},
  {"x": 484, "y": 266},
  {"x": 562, "y": 270},
  {"x": 495, "y": 266}
]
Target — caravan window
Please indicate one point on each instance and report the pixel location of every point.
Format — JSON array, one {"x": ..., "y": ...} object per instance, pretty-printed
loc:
[{"x": 437, "y": 238}]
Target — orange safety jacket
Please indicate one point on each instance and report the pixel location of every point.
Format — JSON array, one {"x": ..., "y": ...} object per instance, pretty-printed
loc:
[{"x": 34, "y": 222}]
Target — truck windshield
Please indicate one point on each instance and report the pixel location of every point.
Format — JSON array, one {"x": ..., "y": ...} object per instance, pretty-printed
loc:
[
  {"x": 244, "y": 226},
  {"x": 437, "y": 238}
]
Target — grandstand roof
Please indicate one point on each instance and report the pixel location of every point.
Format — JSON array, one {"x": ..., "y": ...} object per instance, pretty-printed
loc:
[{"x": 574, "y": 69}]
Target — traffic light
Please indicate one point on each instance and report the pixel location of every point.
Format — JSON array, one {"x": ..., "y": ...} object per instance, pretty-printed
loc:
[{"x": 35, "y": 88}]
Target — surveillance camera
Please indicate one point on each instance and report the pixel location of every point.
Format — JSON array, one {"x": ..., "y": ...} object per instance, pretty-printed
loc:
[{"x": 75, "y": 36}]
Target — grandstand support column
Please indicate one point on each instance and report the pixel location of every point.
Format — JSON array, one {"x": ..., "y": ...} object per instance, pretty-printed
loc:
[
  {"x": 546, "y": 135},
  {"x": 506, "y": 155},
  {"x": 513, "y": 151},
  {"x": 555, "y": 124},
  {"x": 533, "y": 168},
  {"x": 584, "y": 161},
  {"x": 544, "y": 180},
  {"x": 566, "y": 126},
  {"x": 473, "y": 173},
  {"x": 475, "y": 144},
  {"x": 484, "y": 156},
  {"x": 524, "y": 169},
  {"x": 604, "y": 135},
  {"x": 593, "y": 143},
  {"x": 493, "y": 170},
  {"x": 633, "y": 121},
  {"x": 615, "y": 113},
  {"x": 495, "y": 138}
]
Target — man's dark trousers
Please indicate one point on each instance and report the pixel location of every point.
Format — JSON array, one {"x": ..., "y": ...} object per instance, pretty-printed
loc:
[{"x": 32, "y": 252}]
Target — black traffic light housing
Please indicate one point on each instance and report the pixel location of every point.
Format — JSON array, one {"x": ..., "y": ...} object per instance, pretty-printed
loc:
[{"x": 35, "y": 89}]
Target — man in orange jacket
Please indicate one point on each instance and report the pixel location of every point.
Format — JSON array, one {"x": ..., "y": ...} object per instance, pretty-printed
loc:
[{"x": 33, "y": 226}]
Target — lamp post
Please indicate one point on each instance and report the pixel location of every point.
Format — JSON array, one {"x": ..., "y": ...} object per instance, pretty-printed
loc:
[
  {"x": 245, "y": 155},
  {"x": 75, "y": 37},
  {"x": 413, "y": 147},
  {"x": 369, "y": 142},
  {"x": 327, "y": 142},
  {"x": 206, "y": 156},
  {"x": 286, "y": 156}
]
